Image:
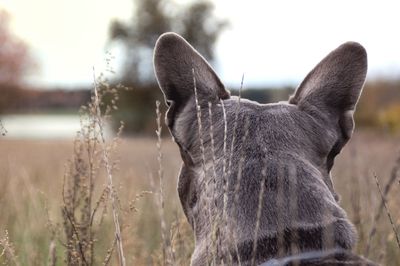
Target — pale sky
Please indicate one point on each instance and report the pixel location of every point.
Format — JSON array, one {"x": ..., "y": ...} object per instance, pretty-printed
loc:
[{"x": 271, "y": 42}]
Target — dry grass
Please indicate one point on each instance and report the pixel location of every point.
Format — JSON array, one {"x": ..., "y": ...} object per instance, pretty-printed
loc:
[
  {"x": 32, "y": 180},
  {"x": 367, "y": 154}
]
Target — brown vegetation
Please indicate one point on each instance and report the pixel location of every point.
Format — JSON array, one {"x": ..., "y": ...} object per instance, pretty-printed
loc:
[{"x": 32, "y": 180}]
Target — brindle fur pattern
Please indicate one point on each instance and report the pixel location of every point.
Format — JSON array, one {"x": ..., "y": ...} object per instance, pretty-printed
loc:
[{"x": 288, "y": 147}]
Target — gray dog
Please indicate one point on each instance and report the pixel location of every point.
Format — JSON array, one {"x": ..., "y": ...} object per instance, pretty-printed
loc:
[{"x": 255, "y": 183}]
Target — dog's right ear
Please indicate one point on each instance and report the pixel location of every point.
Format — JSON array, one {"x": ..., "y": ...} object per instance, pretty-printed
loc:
[
  {"x": 179, "y": 68},
  {"x": 333, "y": 87}
]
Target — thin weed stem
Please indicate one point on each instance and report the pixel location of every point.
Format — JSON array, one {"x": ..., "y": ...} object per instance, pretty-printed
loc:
[
  {"x": 3, "y": 130},
  {"x": 387, "y": 211},
  {"x": 203, "y": 158},
  {"x": 225, "y": 179},
  {"x": 75, "y": 231},
  {"x": 386, "y": 190},
  {"x": 235, "y": 125},
  {"x": 52, "y": 253},
  {"x": 161, "y": 180},
  {"x": 7, "y": 250},
  {"x": 214, "y": 237},
  {"x": 109, "y": 175},
  {"x": 109, "y": 253},
  {"x": 237, "y": 187},
  {"x": 259, "y": 209}
]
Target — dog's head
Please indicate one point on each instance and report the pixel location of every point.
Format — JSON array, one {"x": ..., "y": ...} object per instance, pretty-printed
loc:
[{"x": 232, "y": 147}]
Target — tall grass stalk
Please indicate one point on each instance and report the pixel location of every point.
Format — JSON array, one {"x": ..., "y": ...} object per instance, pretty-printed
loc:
[
  {"x": 167, "y": 253},
  {"x": 224, "y": 167},
  {"x": 259, "y": 209},
  {"x": 387, "y": 211},
  {"x": 237, "y": 187},
  {"x": 225, "y": 181},
  {"x": 207, "y": 199},
  {"x": 215, "y": 229},
  {"x": 52, "y": 253},
  {"x": 115, "y": 209},
  {"x": 393, "y": 176},
  {"x": 235, "y": 124}
]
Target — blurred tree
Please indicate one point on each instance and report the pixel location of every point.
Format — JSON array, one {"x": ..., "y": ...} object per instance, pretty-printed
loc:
[
  {"x": 195, "y": 22},
  {"x": 14, "y": 64},
  {"x": 14, "y": 55}
]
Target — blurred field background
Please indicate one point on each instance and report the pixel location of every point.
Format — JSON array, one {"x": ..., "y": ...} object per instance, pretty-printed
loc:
[{"x": 46, "y": 78}]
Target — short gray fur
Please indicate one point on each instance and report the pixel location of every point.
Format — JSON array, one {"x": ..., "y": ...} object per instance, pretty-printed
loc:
[{"x": 289, "y": 147}]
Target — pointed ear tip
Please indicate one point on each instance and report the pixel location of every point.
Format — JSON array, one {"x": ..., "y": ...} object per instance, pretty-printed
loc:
[
  {"x": 355, "y": 47},
  {"x": 167, "y": 43},
  {"x": 167, "y": 38}
]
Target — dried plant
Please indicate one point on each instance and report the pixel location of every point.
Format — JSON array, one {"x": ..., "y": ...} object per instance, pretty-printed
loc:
[
  {"x": 115, "y": 207},
  {"x": 3, "y": 130},
  {"x": 7, "y": 252},
  {"x": 52, "y": 253},
  {"x": 387, "y": 211},
  {"x": 167, "y": 254},
  {"x": 91, "y": 153},
  {"x": 384, "y": 194}
]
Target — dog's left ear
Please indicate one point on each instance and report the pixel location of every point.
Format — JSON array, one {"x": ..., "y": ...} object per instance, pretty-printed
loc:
[
  {"x": 331, "y": 90},
  {"x": 178, "y": 66}
]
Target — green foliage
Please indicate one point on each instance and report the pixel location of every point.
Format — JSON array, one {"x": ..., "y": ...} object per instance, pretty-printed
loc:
[
  {"x": 378, "y": 106},
  {"x": 390, "y": 118}
]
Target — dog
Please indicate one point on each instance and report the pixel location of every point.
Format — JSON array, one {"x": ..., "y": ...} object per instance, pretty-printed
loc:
[{"x": 255, "y": 181}]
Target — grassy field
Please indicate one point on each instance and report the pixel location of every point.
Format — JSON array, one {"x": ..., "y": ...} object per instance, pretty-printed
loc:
[{"x": 31, "y": 187}]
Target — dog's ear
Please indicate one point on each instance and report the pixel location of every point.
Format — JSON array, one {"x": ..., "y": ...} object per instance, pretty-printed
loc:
[
  {"x": 179, "y": 68},
  {"x": 333, "y": 87}
]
